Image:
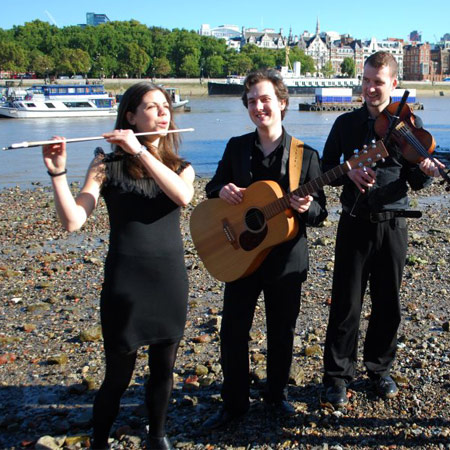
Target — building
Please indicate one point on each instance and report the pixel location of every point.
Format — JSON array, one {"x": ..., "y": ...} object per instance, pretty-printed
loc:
[
  {"x": 345, "y": 48},
  {"x": 230, "y": 33},
  {"x": 440, "y": 62},
  {"x": 94, "y": 19},
  {"x": 315, "y": 46},
  {"x": 266, "y": 38},
  {"x": 417, "y": 64},
  {"x": 391, "y": 45},
  {"x": 415, "y": 36}
]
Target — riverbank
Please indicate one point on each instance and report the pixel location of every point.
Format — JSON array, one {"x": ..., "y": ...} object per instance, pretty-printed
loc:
[
  {"x": 194, "y": 87},
  {"x": 51, "y": 358}
]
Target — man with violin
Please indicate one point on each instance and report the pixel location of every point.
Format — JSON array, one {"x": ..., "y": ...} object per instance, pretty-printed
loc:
[{"x": 371, "y": 241}]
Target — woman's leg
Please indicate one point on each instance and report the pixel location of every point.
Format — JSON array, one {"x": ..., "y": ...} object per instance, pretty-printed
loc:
[
  {"x": 119, "y": 370},
  {"x": 161, "y": 360}
]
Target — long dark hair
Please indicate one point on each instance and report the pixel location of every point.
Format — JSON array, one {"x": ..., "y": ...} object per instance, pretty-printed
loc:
[{"x": 167, "y": 151}]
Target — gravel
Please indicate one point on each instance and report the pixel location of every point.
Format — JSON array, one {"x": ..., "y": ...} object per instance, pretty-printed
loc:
[{"x": 51, "y": 357}]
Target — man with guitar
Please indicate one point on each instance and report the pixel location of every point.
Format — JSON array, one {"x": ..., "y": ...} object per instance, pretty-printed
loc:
[
  {"x": 371, "y": 240},
  {"x": 264, "y": 155}
]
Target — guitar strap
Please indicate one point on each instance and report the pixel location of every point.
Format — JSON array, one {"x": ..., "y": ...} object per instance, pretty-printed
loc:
[{"x": 295, "y": 163}]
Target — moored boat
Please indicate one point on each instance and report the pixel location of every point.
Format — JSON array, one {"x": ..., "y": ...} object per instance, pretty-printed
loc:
[
  {"x": 53, "y": 100},
  {"x": 297, "y": 84}
]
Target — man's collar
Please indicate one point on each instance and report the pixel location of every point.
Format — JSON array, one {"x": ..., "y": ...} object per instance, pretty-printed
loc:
[{"x": 281, "y": 144}]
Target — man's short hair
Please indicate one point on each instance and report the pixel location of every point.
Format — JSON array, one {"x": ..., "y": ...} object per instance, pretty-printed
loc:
[
  {"x": 272, "y": 75},
  {"x": 381, "y": 59}
]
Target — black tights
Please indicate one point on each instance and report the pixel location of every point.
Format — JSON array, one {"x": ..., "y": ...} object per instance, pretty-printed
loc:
[{"x": 119, "y": 370}]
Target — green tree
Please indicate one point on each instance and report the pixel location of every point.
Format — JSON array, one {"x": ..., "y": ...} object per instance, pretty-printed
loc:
[
  {"x": 214, "y": 65},
  {"x": 348, "y": 67},
  {"x": 185, "y": 52},
  {"x": 133, "y": 61},
  {"x": 42, "y": 64},
  {"x": 81, "y": 61},
  {"x": 307, "y": 63},
  {"x": 37, "y": 35},
  {"x": 13, "y": 57},
  {"x": 189, "y": 67},
  {"x": 328, "y": 70},
  {"x": 161, "y": 66}
]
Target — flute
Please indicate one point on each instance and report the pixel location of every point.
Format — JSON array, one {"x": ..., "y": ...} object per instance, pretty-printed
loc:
[{"x": 83, "y": 139}]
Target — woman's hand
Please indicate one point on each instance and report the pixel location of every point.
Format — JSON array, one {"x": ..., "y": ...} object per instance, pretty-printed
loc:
[
  {"x": 55, "y": 156},
  {"x": 125, "y": 139},
  {"x": 232, "y": 194},
  {"x": 300, "y": 204}
]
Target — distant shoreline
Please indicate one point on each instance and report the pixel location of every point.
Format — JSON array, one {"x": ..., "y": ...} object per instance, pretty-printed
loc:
[{"x": 193, "y": 87}]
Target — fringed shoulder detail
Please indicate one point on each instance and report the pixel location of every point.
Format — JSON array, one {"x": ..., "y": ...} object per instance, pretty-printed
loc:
[{"x": 116, "y": 175}]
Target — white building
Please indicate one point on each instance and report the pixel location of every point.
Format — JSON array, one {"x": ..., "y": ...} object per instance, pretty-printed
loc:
[{"x": 390, "y": 45}]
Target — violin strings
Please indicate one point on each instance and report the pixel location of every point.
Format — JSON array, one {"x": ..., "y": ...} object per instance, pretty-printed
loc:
[{"x": 406, "y": 132}]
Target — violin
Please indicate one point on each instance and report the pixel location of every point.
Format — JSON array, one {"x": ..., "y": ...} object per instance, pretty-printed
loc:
[{"x": 398, "y": 122}]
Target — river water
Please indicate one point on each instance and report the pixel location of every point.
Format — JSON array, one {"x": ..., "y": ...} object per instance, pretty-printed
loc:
[{"x": 215, "y": 120}]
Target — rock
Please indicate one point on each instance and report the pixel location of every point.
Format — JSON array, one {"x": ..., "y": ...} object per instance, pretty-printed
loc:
[
  {"x": 296, "y": 375},
  {"x": 91, "y": 334},
  {"x": 201, "y": 370},
  {"x": 313, "y": 350},
  {"x": 57, "y": 359},
  {"x": 47, "y": 443}
]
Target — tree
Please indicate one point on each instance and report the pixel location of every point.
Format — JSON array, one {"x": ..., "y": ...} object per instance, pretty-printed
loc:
[
  {"x": 133, "y": 60},
  {"x": 42, "y": 64},
  {"x": 81, "y": 61},
  {"x": 307, "y": 63},
  {"x": 328, "y": 70},
  {"x": 214, "y": 66},
  {"x": 189, "y": 67},
  {"x": 348, "y": 67},
  {"x": 161, "y": 66},
  {"x": 12, "y": 57}
]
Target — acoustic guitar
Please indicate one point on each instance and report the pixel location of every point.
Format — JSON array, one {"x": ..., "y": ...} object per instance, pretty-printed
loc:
[{"x": 233, "y": 240}]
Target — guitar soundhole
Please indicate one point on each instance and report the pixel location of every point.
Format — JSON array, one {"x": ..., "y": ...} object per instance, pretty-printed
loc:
[{"x": 254, "y": 219}]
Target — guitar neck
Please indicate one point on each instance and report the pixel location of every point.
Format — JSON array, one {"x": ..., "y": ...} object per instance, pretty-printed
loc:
[{"x": 312, "y": 186}]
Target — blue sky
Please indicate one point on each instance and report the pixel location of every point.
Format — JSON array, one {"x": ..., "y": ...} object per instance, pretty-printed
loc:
[{"x": 381, "y": 18}]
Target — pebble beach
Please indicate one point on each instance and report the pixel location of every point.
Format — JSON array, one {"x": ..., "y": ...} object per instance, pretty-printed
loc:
[{"x": 51, "y": 354}]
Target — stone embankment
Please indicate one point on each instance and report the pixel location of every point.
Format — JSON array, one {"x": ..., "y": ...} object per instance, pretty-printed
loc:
[{"x": 51, "y": 357}]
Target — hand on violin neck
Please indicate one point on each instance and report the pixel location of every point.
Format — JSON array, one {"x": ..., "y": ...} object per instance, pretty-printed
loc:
[
  {"x": 364, "y": 178},
  {"x": 431, "y": 167}
]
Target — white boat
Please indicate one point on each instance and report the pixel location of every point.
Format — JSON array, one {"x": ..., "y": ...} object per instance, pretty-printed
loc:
[
  {"x": 296, "y": 83},
  {"x": 53, "y": 100},
  {"x": 177, "y": 101}
]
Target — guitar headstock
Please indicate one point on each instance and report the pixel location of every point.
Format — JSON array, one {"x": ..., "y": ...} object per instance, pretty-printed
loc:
[{"x": 368, "y": 156}]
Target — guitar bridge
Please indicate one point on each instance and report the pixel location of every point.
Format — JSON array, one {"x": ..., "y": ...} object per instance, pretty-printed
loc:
[{"x": 229, "y": 234}]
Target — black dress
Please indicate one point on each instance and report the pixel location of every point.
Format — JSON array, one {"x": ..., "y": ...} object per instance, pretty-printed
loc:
[{"x": 145, "y": 290}]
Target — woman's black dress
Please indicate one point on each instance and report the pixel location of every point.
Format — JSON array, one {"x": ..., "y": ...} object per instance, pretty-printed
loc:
[{"x": 145, "y": 290}]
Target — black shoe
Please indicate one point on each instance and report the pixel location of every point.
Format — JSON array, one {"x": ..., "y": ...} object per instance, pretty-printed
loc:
[
  {"x": 335, "y": 395},
  {"x": 281, "y": 408},
  {"x": 158, "y": 443},
  {"x": 386, "y": 387},
  {"x": 220, "y": 419}
]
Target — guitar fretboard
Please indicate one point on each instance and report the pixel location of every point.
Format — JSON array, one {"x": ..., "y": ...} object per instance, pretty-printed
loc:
[{"x": 276, "y": 207}]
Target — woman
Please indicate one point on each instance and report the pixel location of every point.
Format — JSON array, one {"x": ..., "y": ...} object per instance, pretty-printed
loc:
[{"x": 144, "y": 297}]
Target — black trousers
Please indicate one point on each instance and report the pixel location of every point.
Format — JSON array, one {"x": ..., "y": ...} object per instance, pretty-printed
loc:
[
  {"x": 365, "y": 252},
  {"x": 282, "y": 304}
]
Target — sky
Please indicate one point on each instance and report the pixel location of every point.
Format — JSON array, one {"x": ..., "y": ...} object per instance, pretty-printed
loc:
[{"x": 380, "y": 19}]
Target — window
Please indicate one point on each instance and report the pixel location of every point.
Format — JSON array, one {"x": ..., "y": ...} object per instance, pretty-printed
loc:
[
  {"x": 50, "y": 105},
  {"x": 77, "y": 104}
]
